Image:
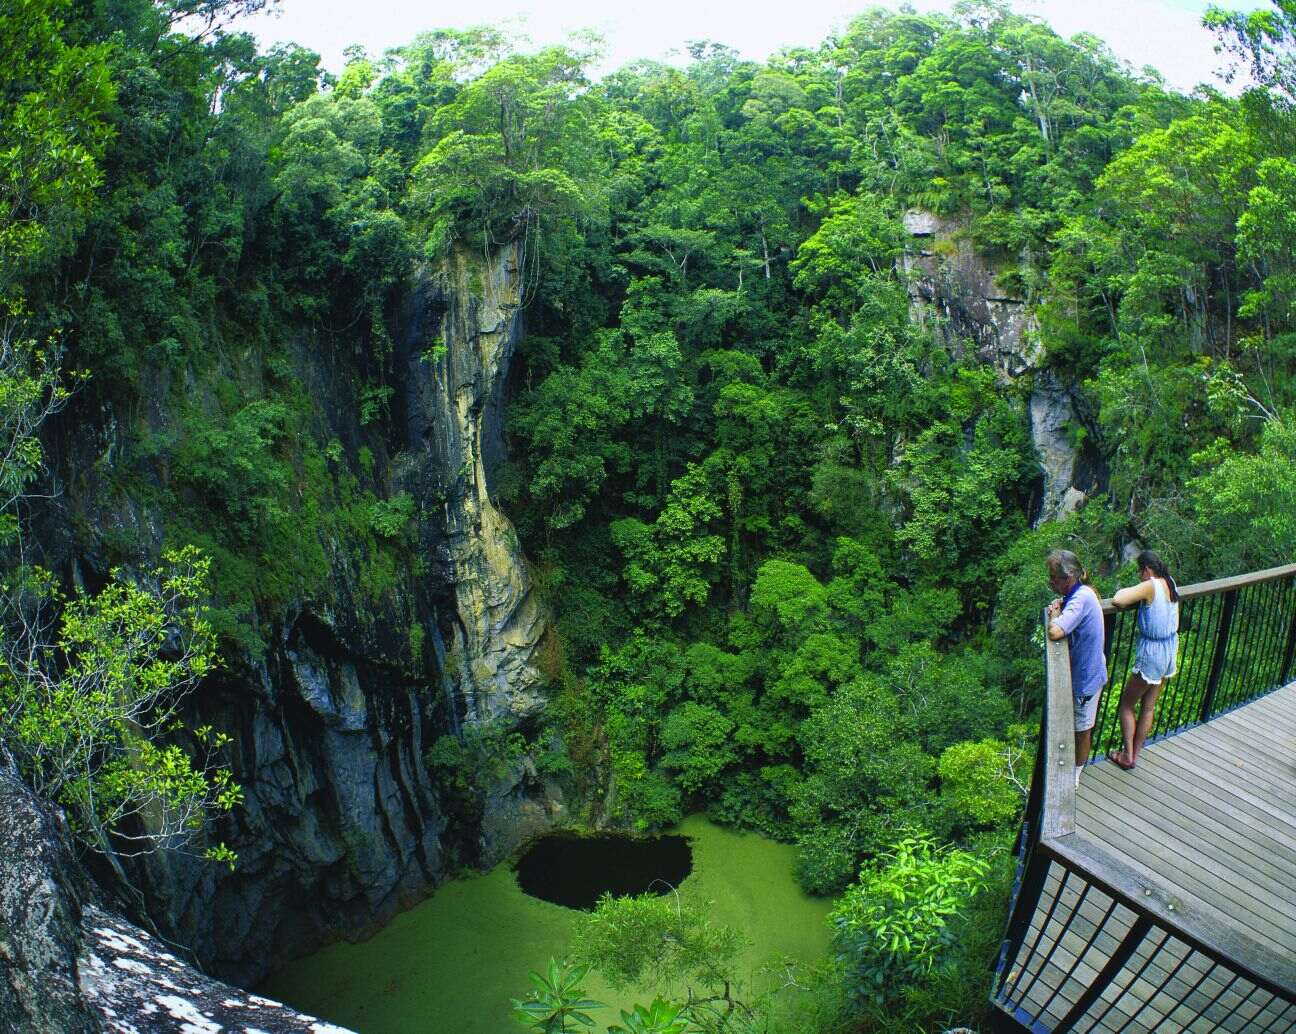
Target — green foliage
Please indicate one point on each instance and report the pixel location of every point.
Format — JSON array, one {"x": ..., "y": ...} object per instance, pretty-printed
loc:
[
  {"x": 483, "y": 755},
  {"x": 87, "y": 712},
  {"x": 1246, "y": 504},
  {"x": 654, "y": 940},
  {"x": 893, "y": 926},
  {"x": 558, "y": 1002},
  {"x": 781, "y": 524},
  {"x": 661, "y": 1017},
  {"x": 985, "y": 781},
  {"x": 391, "y": 518},
  {"x": 53, "y": 132}
]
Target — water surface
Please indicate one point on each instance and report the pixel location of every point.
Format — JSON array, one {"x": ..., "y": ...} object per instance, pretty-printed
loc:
[
  {"x": 575, "y": 871},
  {"x": 452, "y": 963}
]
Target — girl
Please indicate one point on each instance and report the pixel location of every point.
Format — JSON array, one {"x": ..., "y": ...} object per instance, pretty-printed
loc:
[{"x": 1155, "y": 651}]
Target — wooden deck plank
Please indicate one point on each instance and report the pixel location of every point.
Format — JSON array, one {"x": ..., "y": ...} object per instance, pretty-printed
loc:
[
  {"x": 1197, "y": 917},
  {"x": 1272, "y": 857},
  {"x": 1228, "y": 788},
  {"x": 1177, "y": 854},
  {"x": 1270, "y": 785},
  {"x": 1239, "y": 742},
  {"x": 1178, "y": 865},
  {"x": 1146, "y": 990},
  {"x": 1267, "y": 722},
  {"x": 1277, "y": 719},
  {"x": 1207, "y": 851},
  {"x": 1260, "y": 769},
  {"x": 1185, "y": 799},
  {"x": 1257, "y": 742},
  {"x": 1207, "y": 848},
  {"x": 1079, "y": 938}
]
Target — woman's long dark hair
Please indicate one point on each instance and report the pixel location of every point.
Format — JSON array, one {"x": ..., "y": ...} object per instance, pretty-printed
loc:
[{"x": 1157, "y": 566}]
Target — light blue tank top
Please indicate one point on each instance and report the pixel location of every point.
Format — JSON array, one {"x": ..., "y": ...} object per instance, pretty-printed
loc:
[{"x": 1158, "y": 638}]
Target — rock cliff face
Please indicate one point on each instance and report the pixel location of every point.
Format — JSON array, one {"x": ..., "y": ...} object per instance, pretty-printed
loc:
[
  {"x": 342, "y": 823},
  {"x": 954, "y": 284},
  {"x": 69, "y": 966},
  {"x": 460, "y": 330}
]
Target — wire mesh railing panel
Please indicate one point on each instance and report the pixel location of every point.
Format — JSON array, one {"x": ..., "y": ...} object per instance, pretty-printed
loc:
[
  {"x": 1071, "y": 937},
  {"x": 1090, "y": 962}
]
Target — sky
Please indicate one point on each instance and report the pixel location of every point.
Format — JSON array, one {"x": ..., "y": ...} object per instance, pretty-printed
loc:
[{"x": 1166, "y": 34}]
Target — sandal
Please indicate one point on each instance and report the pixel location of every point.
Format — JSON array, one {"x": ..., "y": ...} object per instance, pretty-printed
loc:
[{"x": 1114, "y": 756}]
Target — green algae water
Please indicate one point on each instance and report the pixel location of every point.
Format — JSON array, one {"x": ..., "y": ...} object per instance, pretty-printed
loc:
[{"x": 453, "y": 962}]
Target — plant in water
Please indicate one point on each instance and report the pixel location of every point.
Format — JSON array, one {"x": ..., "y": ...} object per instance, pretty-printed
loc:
[
  {"x": 661, "y": 1017},
  {"x": 558, "y": 1000}
]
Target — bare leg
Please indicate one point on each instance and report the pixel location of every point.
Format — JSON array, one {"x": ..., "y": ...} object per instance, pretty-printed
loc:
[
  {"x": 1147, "y": 715},
  {"x": 1082, "y": 741},
  {"x": 1134, "y": 690}
]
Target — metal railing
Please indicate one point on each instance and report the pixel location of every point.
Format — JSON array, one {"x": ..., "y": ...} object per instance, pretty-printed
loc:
[
  {"x": 1090, "y": 945},
  {"x": 1237, "y": 638}
]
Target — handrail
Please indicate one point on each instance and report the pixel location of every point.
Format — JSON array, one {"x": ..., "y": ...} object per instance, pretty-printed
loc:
[
  {"x": 1237, "y": 581},
  {"x": 1237, "y": 642},
  {"x": 1059, "y": 750}
]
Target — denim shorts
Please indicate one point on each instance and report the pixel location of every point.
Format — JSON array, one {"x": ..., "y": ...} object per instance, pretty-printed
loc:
[{"x": 1086, "y": 710}]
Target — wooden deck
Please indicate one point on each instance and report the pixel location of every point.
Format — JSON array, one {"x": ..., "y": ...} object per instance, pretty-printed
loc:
[{"x": 1203, "y": 836}]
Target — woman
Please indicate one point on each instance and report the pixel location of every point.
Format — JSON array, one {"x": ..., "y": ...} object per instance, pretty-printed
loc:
[
  {"x": 1155, "y": 651},
  {"x": 1076, "y": 616}
]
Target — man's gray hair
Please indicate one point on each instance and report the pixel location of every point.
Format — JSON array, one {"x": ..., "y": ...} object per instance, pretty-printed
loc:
[{"x": 1065, "y": 563}]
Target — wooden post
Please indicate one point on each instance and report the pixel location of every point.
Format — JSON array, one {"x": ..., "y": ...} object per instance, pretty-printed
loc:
[{"x": 1217, "y": 661}]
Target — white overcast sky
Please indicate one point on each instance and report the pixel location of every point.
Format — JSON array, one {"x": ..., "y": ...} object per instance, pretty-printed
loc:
[{"x": 1166, "y": 34}]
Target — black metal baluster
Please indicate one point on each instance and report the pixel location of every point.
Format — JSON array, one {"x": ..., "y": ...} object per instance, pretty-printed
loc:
[
  {"x": 1205, "y": 974},
  {"x": 1197, "y": 612},
  {"x": 1102, "y": 1016},
  {"x": 1165, "y": 981},
  {"x": 1289, "y": 653},
  {"x": 1282, "y": 1017},
  {"x": 1235, "y": 660},
  {"x": 1027, "y": 901},
  {"x": 1234, "y": 1011},
  {"x": 1246, "y": 683},
  {"x": 1075, "y": 963},
  {"x": 1217, "y": 659},
  {"x": 1275, "y": 637},
  {"x": 1218, "y": 995},
  {"x": 1012, "y": 994},
  {"x": 1273, "y": 1024},
  {"x": 1048, "y": 957},
  {"x": 1107, "y": 974}
]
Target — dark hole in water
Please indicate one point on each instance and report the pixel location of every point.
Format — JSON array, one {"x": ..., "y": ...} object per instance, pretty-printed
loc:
[{"x": 577, "y": 871}]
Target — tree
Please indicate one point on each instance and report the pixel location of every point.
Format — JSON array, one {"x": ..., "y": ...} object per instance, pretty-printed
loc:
[
  {"x": 893, "y": 924},
  {"x": 659, "y": 941},
  {"x": 91, "y": 686},
  {"x": 53, "y": 131},
  {"x": 511, "y": 154},
  {"x": 1263, "y": 39},
  {"x": 88, "y": 699}
]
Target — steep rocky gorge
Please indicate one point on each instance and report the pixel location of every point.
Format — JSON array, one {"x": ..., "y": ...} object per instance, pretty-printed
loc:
[{"x": 342, "y": 824}]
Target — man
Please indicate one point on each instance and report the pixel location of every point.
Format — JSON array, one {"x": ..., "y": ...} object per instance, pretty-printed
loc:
[{"x": 1077, "y": 617}]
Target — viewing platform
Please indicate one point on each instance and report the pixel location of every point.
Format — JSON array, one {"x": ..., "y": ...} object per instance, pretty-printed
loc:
[{"x": 1164, "y": 898}]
